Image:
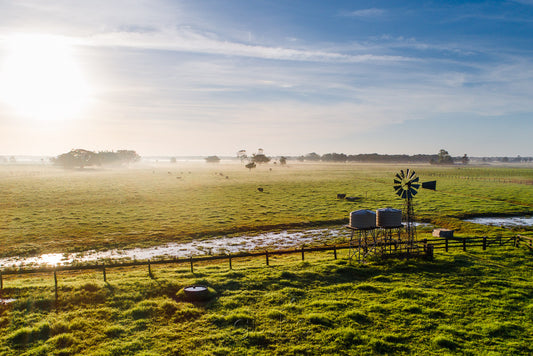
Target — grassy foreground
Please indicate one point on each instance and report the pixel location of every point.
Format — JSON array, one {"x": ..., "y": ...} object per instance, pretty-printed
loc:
[
  {"x": 472, "y": 303},
  {"x": 47, "y": 209}
]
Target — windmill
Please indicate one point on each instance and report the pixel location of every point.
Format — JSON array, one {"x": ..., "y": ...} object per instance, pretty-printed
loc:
[{"x": 406, "y": 185}]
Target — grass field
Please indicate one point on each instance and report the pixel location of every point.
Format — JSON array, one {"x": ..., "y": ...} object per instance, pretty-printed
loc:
[
  {"x": 474, "y": 303},
  {"x": 47, "y": 209}
]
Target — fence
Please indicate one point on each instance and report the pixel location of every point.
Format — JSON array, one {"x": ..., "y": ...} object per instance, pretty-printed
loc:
[{"x": 445, "y": 243}]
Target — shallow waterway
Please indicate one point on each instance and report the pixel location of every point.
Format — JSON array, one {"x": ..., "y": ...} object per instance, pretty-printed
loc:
[
  {"x": 214, "y": 246},
  {"x": 513, "y": 221}
]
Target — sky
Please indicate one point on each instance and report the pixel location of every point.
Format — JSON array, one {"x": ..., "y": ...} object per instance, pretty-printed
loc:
[{"x": 210, "y": 77}]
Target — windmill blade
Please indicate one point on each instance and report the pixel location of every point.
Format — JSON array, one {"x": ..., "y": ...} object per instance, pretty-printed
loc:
[
  {"x": 413, "y": 173},
  {"x": 402, "y": 173},
  {"x": 397, "y": 187},
  {"x": 413, "y": 191},
  {"x": 407, "y": 173},
  {"x": 396, "y": 181},
  {"x": 415, "y": 180},
  {"x": 415, "y": 186},
  {"x": 432, "y": 185},
  {"x": 398, "y": 176},
  {"x": 404, "y": 194}
]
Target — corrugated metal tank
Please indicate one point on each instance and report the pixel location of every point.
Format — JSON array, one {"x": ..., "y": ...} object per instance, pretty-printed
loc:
[
  {"x": 363, "y": 219},
  {"x": 388, "y": 217}
]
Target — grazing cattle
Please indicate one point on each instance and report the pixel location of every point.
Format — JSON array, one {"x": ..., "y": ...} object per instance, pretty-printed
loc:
[
  {"x": 260, "y": 189},
  {"x": 341, "y": 196},
  {"x": 352, "y": 198}
]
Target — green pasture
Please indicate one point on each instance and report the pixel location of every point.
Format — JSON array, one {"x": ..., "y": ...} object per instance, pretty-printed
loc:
[
  {"x": 475, "y": 303},
  {"x": 48, "y": 209}
]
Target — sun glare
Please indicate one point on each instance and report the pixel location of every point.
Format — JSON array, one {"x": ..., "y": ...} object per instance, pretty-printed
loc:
[{"x": 40, "y": 78}]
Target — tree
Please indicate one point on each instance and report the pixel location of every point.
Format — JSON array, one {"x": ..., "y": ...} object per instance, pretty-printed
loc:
[
  {"x": 283, "y": 160},
  {"x": 312, "y": 157},
  {"x": 172, "y": 159},
  {"x": 212, "y": 159},
  {"x": 250, "y": 166},
  {"x": 260, "y": 158},
  {"x": 334, "y": 157},
  {"x": 444, "y": 157},
  {"x": 83, "y": 158},
  {"x": 242, "y": 155},
  {"x": 465, "y": 159},
  {"x": 76, "y": 158}
]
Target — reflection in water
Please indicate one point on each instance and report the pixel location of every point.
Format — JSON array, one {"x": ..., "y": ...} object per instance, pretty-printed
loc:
[
  {"x": 514, "y": 221},
  {"x": 214, "y": 246}
]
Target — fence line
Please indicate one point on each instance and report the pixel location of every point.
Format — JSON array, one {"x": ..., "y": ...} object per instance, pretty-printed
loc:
[{"x": 444, "y": 243}]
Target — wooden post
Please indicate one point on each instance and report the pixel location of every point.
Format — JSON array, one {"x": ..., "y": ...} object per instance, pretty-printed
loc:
[
  {"x": 464, "y": 244},
  {"x": 303, "y": 253},
  {"x": 334, "y": 252},
  {"x": 150, "y": 270},
  {"x": 446, "y": 243},
  {"x": 229, "y": 257},
  {"x": 500, "y": 238},
  {"x": 484, "y": 243},
  {"x": 516, "y": 241},
  {"x": 1, "y": 281},
  {"x": 266, "y": 254},
  {"x": 55, "y": 283},
  {"x": 429, "y": 252},
  {"x": 103, "y": 269},
  {"x": 192, "y": 267}
]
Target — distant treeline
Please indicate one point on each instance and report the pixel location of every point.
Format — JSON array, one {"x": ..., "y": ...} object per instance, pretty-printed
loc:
[
  {"x": 83, "y": 158},
  {"x": 367, "y": 157},
  {"x": 440, "y": 158}
]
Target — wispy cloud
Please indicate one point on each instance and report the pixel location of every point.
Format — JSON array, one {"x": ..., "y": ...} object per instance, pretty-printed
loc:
[
  {"x": 372, "y": 12},
  {"x": 188, "y": 40}
]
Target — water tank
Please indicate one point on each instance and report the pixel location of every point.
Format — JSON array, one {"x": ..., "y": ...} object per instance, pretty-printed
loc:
[
  {"x": 363, "y": 219},
  {"x": 388, "y": 217}
]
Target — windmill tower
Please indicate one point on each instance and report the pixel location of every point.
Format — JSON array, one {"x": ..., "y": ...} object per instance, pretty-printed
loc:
[{"x": 406, "y": 185}]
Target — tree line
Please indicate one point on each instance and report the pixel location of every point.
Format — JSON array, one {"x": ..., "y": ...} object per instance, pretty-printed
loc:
[{"x": 83, "y": 158}]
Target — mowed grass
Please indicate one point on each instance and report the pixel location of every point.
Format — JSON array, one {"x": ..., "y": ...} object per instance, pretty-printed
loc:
[
  {"x": 474, "y": 303},
  {"x": 47, "y": 209}
]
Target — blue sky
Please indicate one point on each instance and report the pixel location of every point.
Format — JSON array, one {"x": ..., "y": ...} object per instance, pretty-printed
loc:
[{"x": 291, "y": 77}]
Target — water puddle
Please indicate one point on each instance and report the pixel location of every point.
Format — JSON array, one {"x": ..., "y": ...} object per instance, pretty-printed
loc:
[
  {"x": 6, "y": 301},
  {"x": 514, "y": 221}
]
